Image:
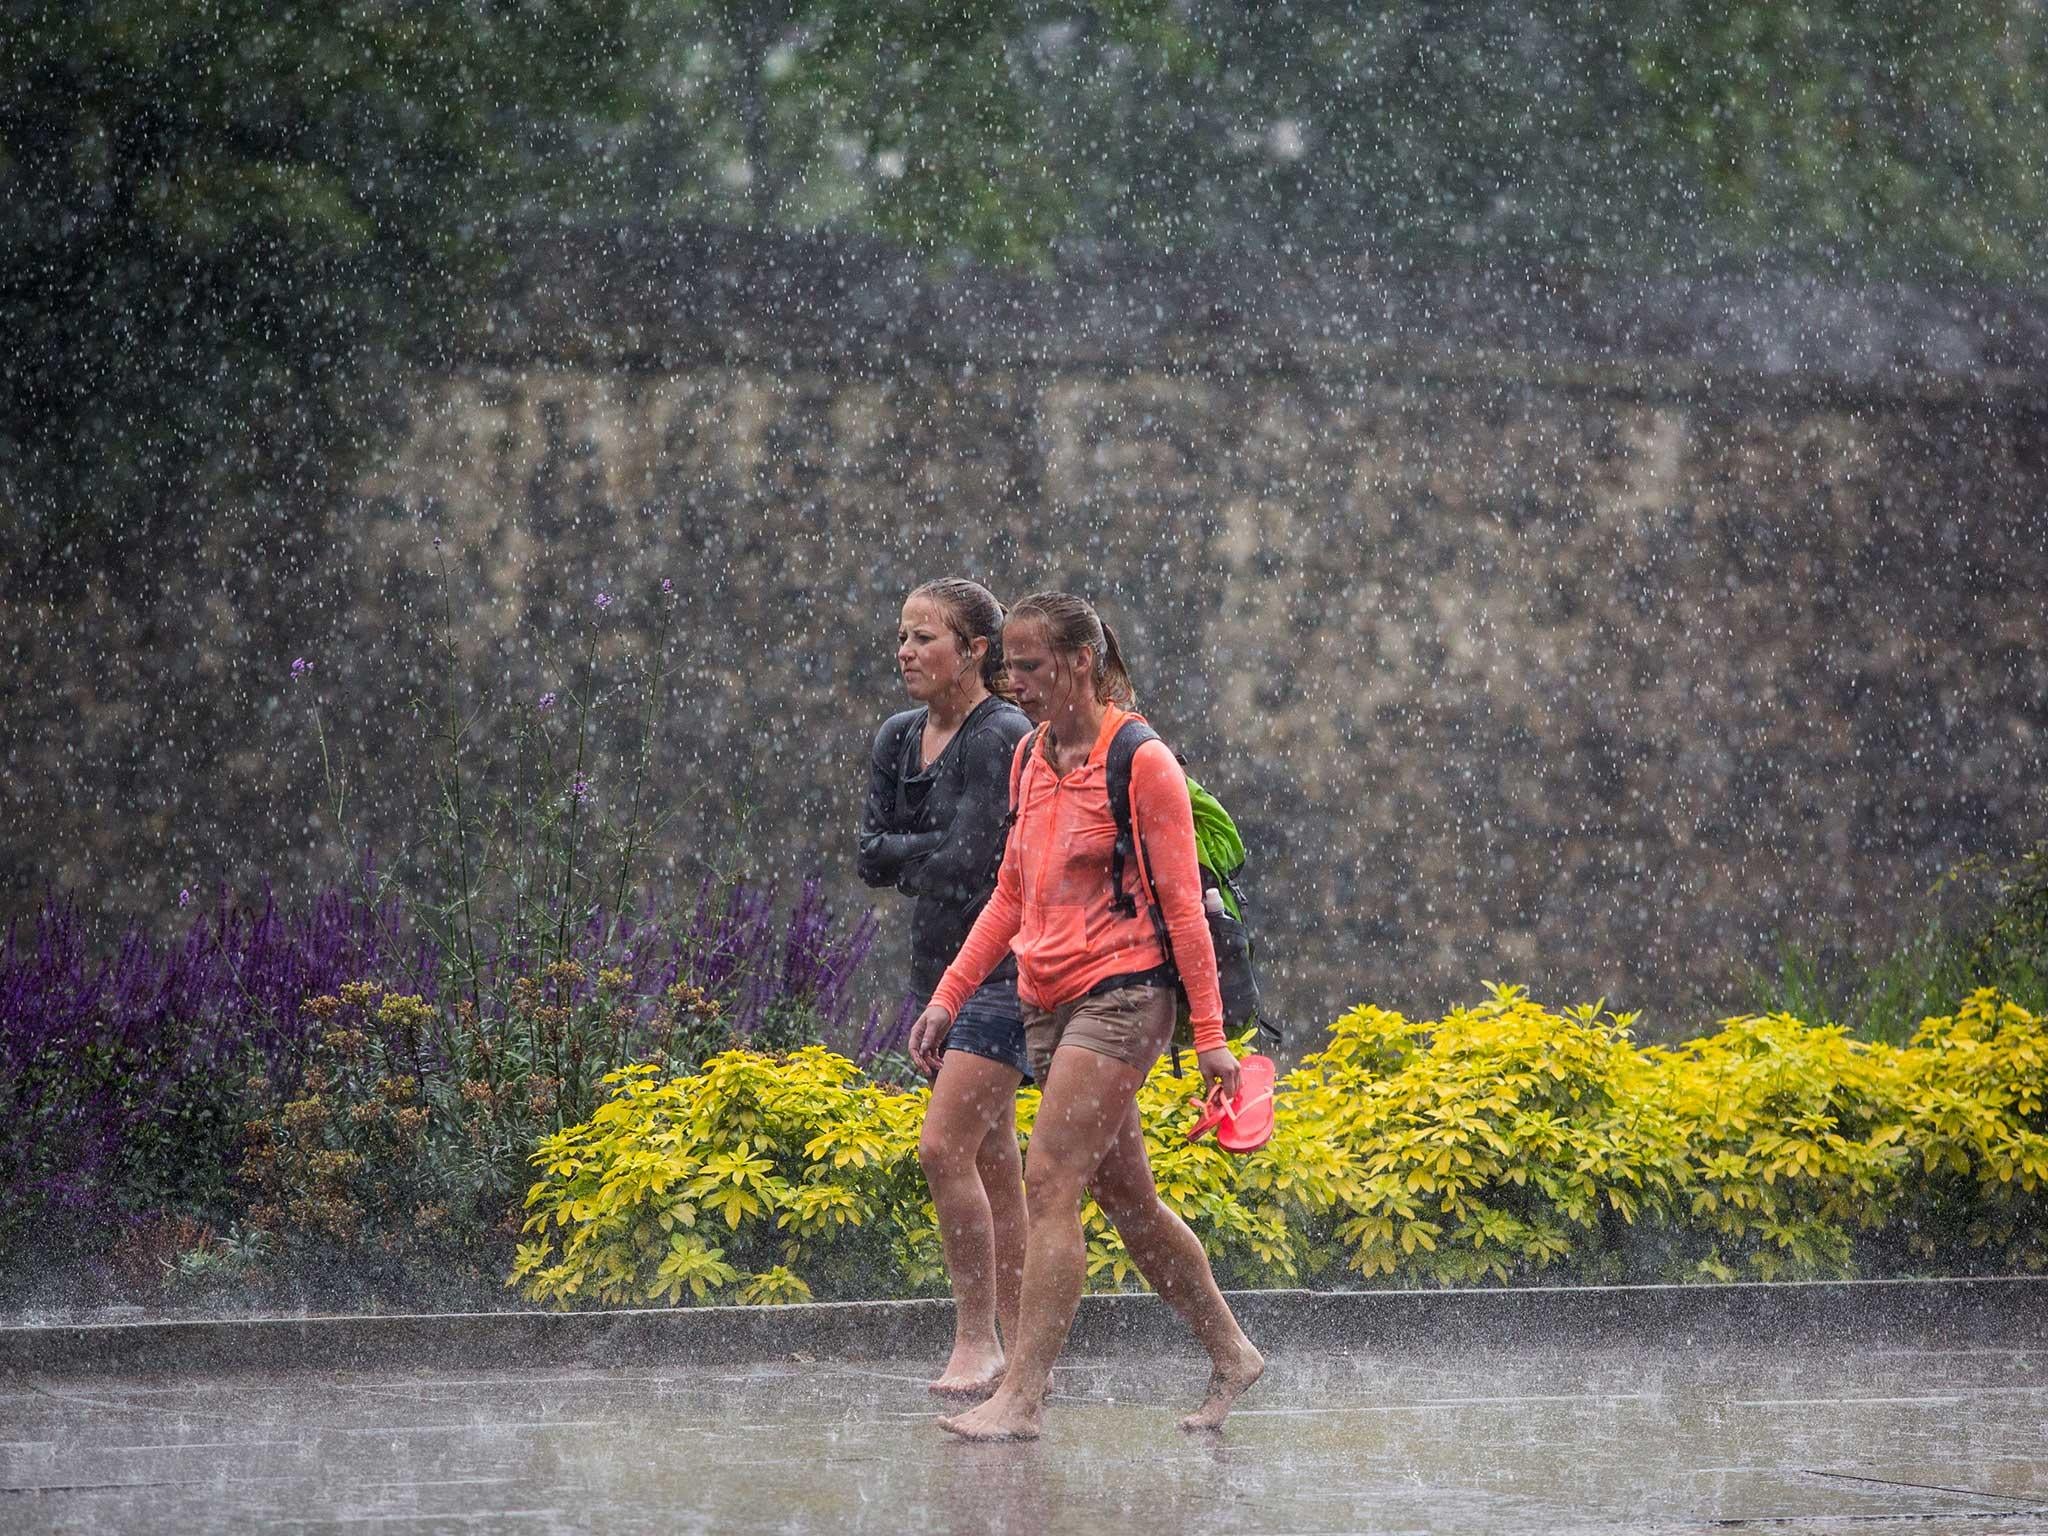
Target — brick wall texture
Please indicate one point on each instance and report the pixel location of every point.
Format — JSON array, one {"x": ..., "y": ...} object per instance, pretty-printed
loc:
[{"x": 1598, "y": 673}]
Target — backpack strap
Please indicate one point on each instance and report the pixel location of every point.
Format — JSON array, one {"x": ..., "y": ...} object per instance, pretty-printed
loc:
[
  {"x": 1123, "y": 747},
  {"x": 1130, "y": 845},
  {"x": 1017, "y": 761}
]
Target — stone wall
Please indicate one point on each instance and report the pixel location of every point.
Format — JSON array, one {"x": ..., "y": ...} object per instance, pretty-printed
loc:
[{"x": 1594, "y": 669}]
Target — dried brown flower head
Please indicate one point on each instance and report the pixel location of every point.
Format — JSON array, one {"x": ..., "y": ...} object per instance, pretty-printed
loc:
[
  {"x": 687, "y": 997},
  {"x": 302, "y": 1117}
]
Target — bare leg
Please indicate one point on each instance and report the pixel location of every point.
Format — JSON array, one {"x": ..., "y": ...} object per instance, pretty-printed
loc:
[
  {"x": 1002, "y": 1181},
  {"x": 1086, "y": 1096},
  {"x": 1172, "y": 1260},
  {"x": 972, "y": 1111}
]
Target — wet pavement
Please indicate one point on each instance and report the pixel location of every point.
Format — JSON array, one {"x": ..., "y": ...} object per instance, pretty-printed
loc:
[{"x": 1775, "y": 1440}]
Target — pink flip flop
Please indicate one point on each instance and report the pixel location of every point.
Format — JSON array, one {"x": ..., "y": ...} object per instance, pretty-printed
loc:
[
  {"x": 1244, "y": 1123},
  {"x": 1211, "y": 1113}
]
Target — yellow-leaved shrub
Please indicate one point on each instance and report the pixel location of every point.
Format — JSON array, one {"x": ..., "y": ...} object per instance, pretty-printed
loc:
[
  {"x": 1501, "y": 1143},
  {"x": 1493, "y": 1144},
  {"x": 1791, "y": 1147},
  {"x": 757, "y": 1179},
  {"x": 1976, "y": 1139}
]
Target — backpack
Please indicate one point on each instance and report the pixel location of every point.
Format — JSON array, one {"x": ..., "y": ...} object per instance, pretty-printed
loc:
[{"x": 1220, "y": 853}]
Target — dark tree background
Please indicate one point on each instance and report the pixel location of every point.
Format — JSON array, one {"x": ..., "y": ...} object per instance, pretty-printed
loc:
[
  {"x": 222, "y": 219},
  {"x": 223, "y": 223}
]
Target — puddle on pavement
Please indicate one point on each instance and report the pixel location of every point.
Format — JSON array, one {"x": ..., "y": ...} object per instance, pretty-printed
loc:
[{"x": 1781, "y": 1441}]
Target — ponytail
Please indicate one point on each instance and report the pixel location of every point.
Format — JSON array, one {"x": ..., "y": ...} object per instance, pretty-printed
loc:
[
  {"x": 1071, "y": 624},
  {"x": 1113, "y": 679}
]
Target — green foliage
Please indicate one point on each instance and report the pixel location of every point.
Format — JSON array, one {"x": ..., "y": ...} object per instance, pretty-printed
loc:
[
  {"x": 923, "y": 122},
  {"x": 225, "y": 223},
  {"x": 1886, "y": 139},
  {"x": 219, "y": 216},
  {"x": 1998, "y": 940},
  {"x": 344, "y": 1171},
  {"x": 1813, "y": 125},
  {"x": 758, "y": 1179},
  {"x": 392, "y": 1163},
  {"x": 527, "y": 853},
  {"x": 186, "y": 1256},
  {"x": 180, "y": 1156},
  {"x": 181, "y": 1134},
  {"x": 1503, "y": 1143},
  {"x": 2009, "y": 950}
]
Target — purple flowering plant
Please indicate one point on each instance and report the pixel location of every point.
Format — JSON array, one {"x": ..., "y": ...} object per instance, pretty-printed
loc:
[
  {"x": 355, "y": 1083},
  {"x": 98, "y": 1044},
  {"x": 138, "y": 1082}
]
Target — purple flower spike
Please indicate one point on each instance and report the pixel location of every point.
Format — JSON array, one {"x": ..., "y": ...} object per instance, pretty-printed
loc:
[
  {"x": 231, "y": 994},
  {"x": 300, "y": 667},
  {"x": 547, "y": 702},
  {"x": 604, "y": 601},
  {"x": 667, "y": 587},
  {"x": 579, "y": 788}
]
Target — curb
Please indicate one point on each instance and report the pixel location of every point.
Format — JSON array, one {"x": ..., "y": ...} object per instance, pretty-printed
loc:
[{"x": 1827, "y": 1315}]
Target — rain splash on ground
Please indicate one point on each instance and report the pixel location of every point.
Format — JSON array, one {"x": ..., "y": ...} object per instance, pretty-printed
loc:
[{"x": 1783, "y": 1441}]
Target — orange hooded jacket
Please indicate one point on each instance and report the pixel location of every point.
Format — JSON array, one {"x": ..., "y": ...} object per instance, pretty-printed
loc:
[{"x": 1051, "y": 902}]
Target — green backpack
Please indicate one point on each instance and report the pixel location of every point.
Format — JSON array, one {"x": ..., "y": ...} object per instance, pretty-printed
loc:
[{"x": 1219, "y": 850}]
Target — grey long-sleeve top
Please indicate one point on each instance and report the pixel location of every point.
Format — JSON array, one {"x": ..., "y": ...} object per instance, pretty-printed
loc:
[{"x": 936, "y": 833}]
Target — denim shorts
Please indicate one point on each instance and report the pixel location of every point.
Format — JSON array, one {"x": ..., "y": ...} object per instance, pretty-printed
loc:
[{"x": 990, "y": 1025}]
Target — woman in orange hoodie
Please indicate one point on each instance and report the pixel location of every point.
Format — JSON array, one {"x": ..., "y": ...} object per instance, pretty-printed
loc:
[{"x": 1098, "y": 993}]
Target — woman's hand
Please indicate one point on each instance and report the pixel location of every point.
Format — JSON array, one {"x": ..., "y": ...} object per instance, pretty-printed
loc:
[
  {"x": 1218, "y": 1069},
  {"x": 928, "y": 1039}
]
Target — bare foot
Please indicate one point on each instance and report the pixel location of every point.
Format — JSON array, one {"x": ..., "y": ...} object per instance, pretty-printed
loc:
[
  {"x": 1226, "y": 1385},
  {"x": 971, "y": 1375},
  {"x": 999, "y": 1418},
  {"x": 966, "y": 1391}
]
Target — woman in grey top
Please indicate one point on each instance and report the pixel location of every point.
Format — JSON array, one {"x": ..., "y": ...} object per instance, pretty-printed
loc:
[{"x": 938, "y": 795}]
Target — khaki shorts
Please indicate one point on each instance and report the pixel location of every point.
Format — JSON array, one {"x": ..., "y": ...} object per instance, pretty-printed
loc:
[{"x": 1131, "y": 1024}]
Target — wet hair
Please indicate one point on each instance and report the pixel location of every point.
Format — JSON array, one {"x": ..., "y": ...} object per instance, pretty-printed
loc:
[
  {"x": 1071, "y": 624},
  {"x": 972, "y": 613}
]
